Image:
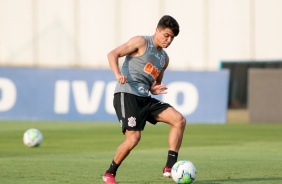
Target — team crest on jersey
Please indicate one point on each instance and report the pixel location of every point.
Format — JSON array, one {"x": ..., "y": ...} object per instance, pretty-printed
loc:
[
  {"x": 162, "y": 61},
  {"x": 132, "y": 121}
]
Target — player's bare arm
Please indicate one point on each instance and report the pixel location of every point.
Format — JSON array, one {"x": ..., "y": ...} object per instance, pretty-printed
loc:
[{"x": 134, "y": 47}]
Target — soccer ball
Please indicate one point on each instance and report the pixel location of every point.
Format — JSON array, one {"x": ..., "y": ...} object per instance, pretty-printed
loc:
[
  {"x": 183, "y": 172},
  {"x": 32, "y": 137}
]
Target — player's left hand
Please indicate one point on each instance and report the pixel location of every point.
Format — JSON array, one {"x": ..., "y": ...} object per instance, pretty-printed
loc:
[{"x": 157, "y": 89}]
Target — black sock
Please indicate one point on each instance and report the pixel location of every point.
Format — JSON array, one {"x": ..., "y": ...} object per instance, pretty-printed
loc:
[
  {"x": 113, "y": 168},
  {"x": 171, "y": 158}
]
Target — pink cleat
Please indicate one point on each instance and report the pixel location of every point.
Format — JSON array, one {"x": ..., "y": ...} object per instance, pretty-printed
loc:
[
  {"x": 167, "y": 172},
  {"x": 109, "y": 178}
]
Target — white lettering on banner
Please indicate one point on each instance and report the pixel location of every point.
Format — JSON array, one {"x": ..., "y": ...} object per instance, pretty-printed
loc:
[
  {"x": 190, "y": 97},
  {"x": 62, "y": 96},
  {"x": 9, "y": 94},
  {"x": 88, "y": 101},
  {"x": 86, "y": 104}
]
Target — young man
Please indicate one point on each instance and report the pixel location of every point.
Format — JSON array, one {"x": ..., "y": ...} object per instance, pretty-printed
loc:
[{"x": 141, "y": 75}]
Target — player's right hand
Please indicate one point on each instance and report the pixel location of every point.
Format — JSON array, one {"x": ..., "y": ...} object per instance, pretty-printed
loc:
[{"x": 121, "y": 78}]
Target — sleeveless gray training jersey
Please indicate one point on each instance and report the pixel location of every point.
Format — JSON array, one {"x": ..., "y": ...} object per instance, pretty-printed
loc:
[{"x": 143, "y": 70}]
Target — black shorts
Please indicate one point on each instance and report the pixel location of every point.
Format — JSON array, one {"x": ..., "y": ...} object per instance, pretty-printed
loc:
[{"x": 134, "y": 111}]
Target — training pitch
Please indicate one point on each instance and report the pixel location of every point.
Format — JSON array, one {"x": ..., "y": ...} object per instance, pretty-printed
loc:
[{"x": 74, "y": 152}]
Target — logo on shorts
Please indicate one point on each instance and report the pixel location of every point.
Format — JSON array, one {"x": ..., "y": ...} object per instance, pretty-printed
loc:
[
  {"x": 131, "y": 122},
  {"x": 120, "y": 122}
]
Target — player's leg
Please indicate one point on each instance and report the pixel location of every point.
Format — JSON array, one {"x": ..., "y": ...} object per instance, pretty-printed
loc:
[
  {"x": 132, "y": 122},
  {"x": 131, "y": 140},
  {"x": 177, "y": 122}
]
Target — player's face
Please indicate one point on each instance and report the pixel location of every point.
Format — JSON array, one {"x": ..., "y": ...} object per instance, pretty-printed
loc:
[{"x": 165, "y": 37}]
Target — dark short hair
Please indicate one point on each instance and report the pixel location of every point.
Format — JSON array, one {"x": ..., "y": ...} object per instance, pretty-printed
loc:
[{"x": 169, "y": 22}]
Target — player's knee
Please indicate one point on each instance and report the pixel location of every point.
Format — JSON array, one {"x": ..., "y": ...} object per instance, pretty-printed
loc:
[
  {"x": 182, "y": 122},
  {"x": 178, "y": 121},
  {"x": 133, "y": 143},
  {"x": 133, "y": 140}
]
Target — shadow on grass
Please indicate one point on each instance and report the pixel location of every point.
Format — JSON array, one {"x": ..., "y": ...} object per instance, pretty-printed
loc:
[{"x": 238, "y": 180}]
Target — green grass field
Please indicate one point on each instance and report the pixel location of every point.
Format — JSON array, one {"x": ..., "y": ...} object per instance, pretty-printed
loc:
[{"x": 79, "y": 153}]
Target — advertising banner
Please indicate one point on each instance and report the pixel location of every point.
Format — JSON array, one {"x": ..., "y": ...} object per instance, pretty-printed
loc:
[{"x": 87, "y": 94}]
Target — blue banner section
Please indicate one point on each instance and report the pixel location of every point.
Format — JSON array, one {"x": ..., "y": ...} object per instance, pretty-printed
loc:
[{"x": 87, "y": 94}]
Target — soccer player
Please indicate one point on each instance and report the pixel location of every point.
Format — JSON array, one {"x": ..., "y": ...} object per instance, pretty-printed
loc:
[{"x": 140, "y": 76}]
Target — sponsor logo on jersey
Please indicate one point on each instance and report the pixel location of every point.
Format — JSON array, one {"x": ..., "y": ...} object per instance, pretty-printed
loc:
[
  {"x": 152, "y": 70},
  {"x": 143, "y": 90},
  {"x": 157, "y": 55}
]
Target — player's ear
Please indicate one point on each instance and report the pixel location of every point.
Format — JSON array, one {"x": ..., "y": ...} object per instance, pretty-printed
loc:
[{"x": 157, "y": 30}]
